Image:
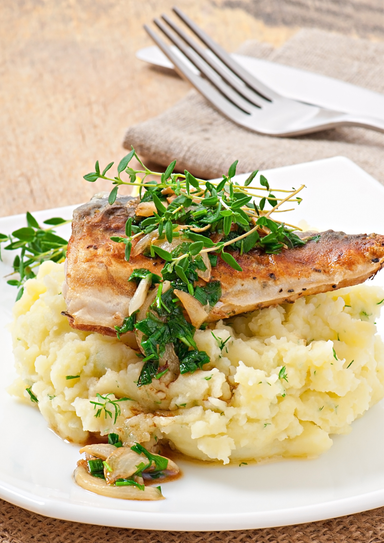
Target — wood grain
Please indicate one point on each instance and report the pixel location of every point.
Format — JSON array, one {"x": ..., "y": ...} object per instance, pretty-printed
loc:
[{"x": 71, "y": 85}]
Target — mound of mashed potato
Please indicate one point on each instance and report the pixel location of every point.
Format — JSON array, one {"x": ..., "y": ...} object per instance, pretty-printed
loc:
[{"x": 281, "y": 380}]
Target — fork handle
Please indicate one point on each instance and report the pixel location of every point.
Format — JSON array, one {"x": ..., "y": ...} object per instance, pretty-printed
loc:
[{"x": 362, "y": 121}]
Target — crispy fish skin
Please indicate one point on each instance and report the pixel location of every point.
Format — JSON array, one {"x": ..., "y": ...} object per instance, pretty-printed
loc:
[
  {"x": 98, "y": 293},
  {"x": 330, "y": 261}
]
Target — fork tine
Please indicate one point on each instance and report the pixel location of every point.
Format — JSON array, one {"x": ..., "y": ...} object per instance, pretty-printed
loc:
[
  {"x": 203, "y": 86},
  {"x": 243, "y": 74},
  {"x": 228, "y": 76},
  {"x": 210, "y": 74}
]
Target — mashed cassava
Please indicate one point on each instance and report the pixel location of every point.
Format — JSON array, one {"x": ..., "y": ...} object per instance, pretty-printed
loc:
[{"x": 281, "y": 380}]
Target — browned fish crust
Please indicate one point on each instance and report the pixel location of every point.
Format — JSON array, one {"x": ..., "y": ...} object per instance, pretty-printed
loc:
[{"x": 98, "y": 293}]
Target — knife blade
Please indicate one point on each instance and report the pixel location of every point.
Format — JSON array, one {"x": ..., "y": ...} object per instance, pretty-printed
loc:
[{"x": 295, "y": 83}]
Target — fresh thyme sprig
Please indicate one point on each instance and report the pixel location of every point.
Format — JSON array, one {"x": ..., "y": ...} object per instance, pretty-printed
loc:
[
  {"x": 35, "y": 245},
  {"x": 194, "y": 209}
]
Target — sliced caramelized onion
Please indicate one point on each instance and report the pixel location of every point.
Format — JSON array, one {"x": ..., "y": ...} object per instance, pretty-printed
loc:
[
  {"x": 145, "y": 209},
  {"x": 193, "y": 307},
  {"x": 100, "y": 450},
  {"x": 205, "y": 275},
  {"x": 172, "y": 468},
  {"x": 140, "y": 295},
  {"x": 123, "y": 463},
  {"x": 144, "y": 242},
  {"x": 99, "y": 486},
  {"x": 167, "y": 191},
  {"x": 164, "y": 244},
  {"x": 171, "y": 360}
]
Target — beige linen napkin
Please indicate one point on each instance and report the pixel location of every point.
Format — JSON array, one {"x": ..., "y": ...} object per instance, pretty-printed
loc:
[{"x": 206, "y": 143}]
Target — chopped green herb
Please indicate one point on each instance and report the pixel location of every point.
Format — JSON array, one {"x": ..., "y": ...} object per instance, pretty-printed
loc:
[
  {"x": 127, "y": 326},
  {"x": 243, "y": 464},
  {"x": 193, "y": 361},
  {"x": 159, "y": 375},
  {"x": 95, "y": 466},
  {"x": 31, "y": 395},
  {"x": 350, "y": 364},
  {"x": 283, "y": 374},
  {"x": 129, "y": 482},
  {"x": 334, "y": 354},
  {"x": 69, "y": 377},
  {"x": 381, "y": 301},
  {"x": 114, "y": 439},
  {"x": 221, "y": 344},
  {"x": 141, "y": 273},
  {"x": 210, "y": 294},
  {"x": 160, "y": 463}
]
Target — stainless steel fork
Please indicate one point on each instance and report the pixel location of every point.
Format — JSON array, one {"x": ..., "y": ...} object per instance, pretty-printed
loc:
[{"x": 239, "y": 95}]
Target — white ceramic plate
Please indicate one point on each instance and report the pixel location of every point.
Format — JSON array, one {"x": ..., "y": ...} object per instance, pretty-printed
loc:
[{"x": 36, "y": 466}]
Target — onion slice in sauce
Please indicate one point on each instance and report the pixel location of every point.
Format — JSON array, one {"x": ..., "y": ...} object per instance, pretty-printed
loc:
[
  {"x": 99, "y": 486},
  {"x": 100, "y": 450},
  {"x": 123, "y": 463}
]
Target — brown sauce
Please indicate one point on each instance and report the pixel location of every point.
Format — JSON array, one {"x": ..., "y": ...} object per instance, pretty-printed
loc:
[
  {"x": 94, "y": 439},
  {"x": 148, "y": 481}
]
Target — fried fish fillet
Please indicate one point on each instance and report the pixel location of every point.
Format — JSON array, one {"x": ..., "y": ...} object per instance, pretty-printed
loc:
[{"x": 98, "y": 293}]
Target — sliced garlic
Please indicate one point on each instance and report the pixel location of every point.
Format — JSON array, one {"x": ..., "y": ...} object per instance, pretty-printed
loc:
[
  {"x": 206, "y": 274},
  {"x": 100, "y": 450},
  {"x": 140, "y": 294},
  {"x": 145, "y": 209},
  {"x": 122, "y": 464},
  {"x": 193, "y": 307},
  {"x": 144, "y": 242}
]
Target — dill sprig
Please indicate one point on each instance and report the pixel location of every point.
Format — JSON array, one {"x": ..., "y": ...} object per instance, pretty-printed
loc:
[{"x": 106, "y": 404}]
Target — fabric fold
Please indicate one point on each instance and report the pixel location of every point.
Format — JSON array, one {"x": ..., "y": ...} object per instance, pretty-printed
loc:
[{"x": 206, "y": 143}]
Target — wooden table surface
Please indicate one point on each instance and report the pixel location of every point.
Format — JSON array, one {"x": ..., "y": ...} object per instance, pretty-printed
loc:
[{"x": 71, "y": 85}]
